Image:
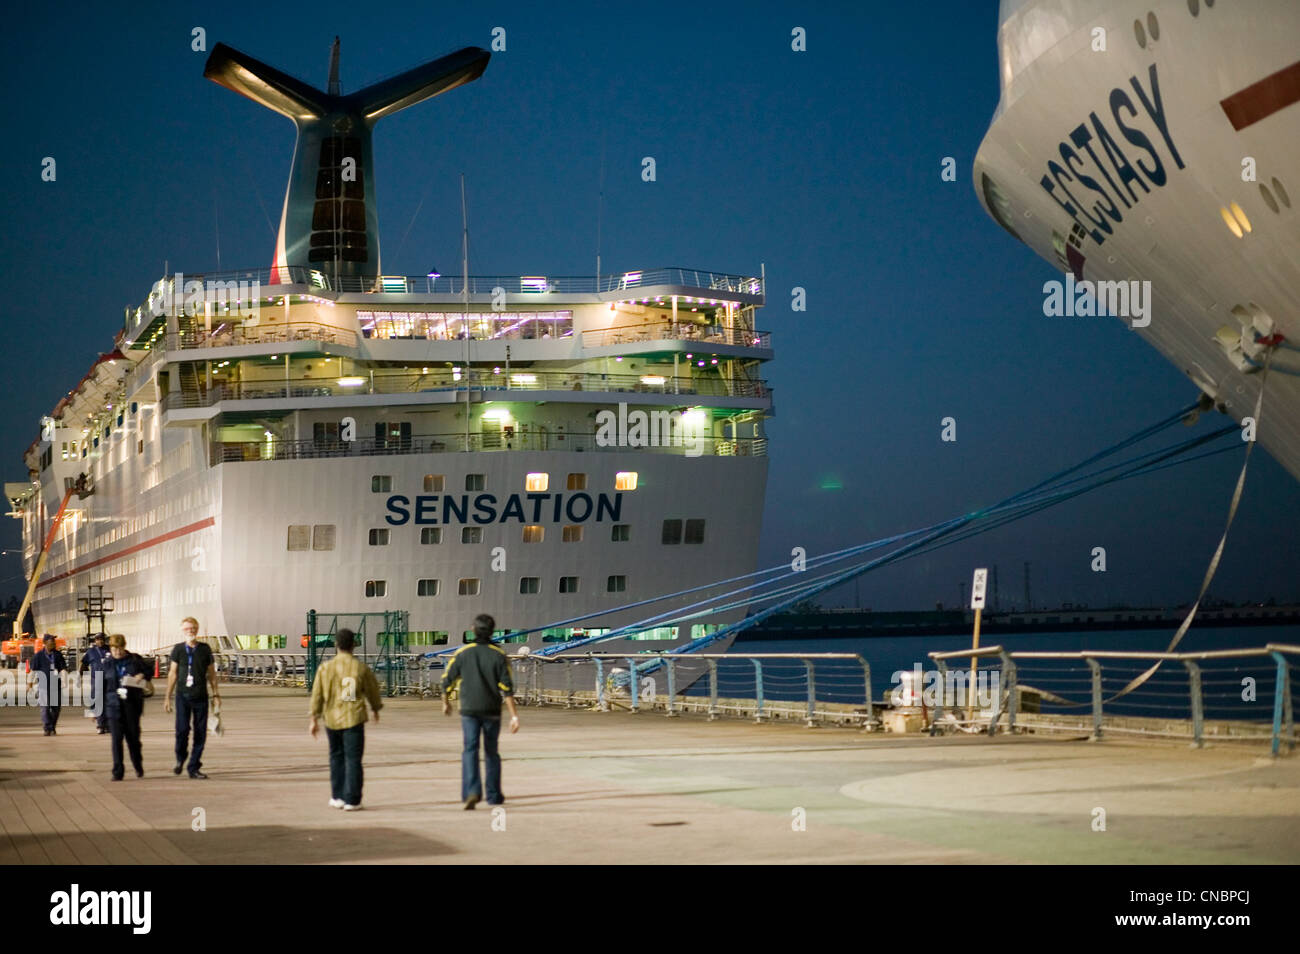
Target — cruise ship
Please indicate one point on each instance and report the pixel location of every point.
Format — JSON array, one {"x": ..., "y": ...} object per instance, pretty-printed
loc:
[
  {"x": 319, "y": 435},
  {"x": 1148, "y": 148}
]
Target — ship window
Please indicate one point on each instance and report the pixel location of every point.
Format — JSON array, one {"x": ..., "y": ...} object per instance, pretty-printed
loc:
[
  {"x": 433, "y": 483},
  {"x": 120, "y": 418},
  {"x": 393, "y": 434},
  {"x": 381, "y": 483},
  {"x": 616, "y": 584},
  {"x": 471, "y": 534},
  {"x": 625, "y": 480},
  {"x": 694, "y": 531},
  {"x": 572, "y": 533},
  {"x": 529, "y": 585},
  {"x": 139, "y": 446},
  {"x": 537, "y": 483},
  {"x": 998, "y": 205},
  {"x": 325, "y": 432},
  {"x": 1140, "y": 33},
  {"x": 429, "y": 535},
  {"x": 376, "y": 588},
  {"x": 672, "y": 531},
  {"x": 134, "y": 407},
  {"x": 534, "y": 533},
  {"x": 568, "y": 584},
  {"x": 475, "y": 481},
  {"x": 467, "y": 587},
  {"x": 299, "y": 537},
  {"x": 379, "y": 538},
  {"x": 620, "y": 532},
  {"x": 426, "y": 587},
  {"x": 322, "y": 536},
  {"x": 577, "y": 482}
]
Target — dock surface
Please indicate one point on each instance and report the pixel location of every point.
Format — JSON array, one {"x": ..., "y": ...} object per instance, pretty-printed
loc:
[{"x": 618, "y": 787}]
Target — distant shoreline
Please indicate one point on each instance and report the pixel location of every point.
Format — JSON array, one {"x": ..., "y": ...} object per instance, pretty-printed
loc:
[{"x": 858, "y": 624}]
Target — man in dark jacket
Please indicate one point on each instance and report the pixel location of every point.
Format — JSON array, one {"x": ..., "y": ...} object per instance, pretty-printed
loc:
[
  {"x": 49, "y": 666},
  {"x": 126, "y": 678},
  {"x": 95, "y": 661},
  {"x": 481, "y": 672}
]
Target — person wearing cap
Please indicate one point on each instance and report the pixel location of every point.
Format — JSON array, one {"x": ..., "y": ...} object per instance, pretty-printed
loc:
[
  {"x": 95, "y": 661},
  {"x": 339, "y": 694},
  {"x": 126, "y": 679},
  {"x": 480, "y": 672},
  {"x": 50, "y": 665}
]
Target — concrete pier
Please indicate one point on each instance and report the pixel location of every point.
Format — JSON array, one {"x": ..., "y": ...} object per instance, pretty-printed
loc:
[{"x": 615, "y": 787}]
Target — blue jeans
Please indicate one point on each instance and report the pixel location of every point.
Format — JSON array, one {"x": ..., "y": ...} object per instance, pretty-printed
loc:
[
  {"x": 346, "y": 748},
  {"x": 490, "y": 727},
  {"x": 191, "y": 711}
]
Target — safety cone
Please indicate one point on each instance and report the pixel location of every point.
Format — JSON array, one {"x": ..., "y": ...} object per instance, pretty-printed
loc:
[{"x": 156, "y": 664}]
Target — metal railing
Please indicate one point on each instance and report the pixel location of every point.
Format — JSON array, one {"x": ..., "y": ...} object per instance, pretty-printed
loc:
[
  {"x": 540, "y": 285},
  {"x": 813, "y": 687},
  {"x": 230, "y": 335},
  {"x": 714, "y": 334},
  {"x": 1204, "y": 695},
  {"x": 441, "y": 380},
  {"x": 228, "y": 451}
]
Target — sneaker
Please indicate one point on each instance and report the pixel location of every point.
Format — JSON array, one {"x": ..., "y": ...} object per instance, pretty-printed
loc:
[
  {"x": 197, "y": 774},
  {"x": 352, "y": 808},
  {"x": 336, "y": 803},
  {"x": 471, "y": 802}
]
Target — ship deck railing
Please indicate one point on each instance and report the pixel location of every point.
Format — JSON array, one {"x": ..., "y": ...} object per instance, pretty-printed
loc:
[
  {"x": 632, "y": 282},
  {"x": 440, "y": 380},
  {"x": 234, "y": 451},
  {"x": 226, "y": 334},
  {"x": 481, "y": 326}
]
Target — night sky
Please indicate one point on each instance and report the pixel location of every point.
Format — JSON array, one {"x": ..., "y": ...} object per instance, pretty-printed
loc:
[{"x": 823, "y": 164}]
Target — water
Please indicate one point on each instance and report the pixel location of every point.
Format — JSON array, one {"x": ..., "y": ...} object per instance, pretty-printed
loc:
[{"x": 1227, "y": 685}]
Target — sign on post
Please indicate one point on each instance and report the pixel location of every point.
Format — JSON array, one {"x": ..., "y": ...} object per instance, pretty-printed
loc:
[{"x": 977, "y": 587}]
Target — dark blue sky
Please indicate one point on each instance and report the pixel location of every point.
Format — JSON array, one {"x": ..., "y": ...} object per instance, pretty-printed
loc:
[{"x": 823, "y": 164}]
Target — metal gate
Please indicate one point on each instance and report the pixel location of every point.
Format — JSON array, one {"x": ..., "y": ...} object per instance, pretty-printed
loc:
[{"x": 381, "y": 644}]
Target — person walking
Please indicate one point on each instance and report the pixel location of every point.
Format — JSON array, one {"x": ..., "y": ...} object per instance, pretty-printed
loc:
[
  {"x": 191, "y": 669},
  {"x": 127, "y": 679},
  {"x": 480, "y": 672},
  {"x": 339, "y": 695},
  {"x": 95, "y": 661},
  {"x": 49, "y": 666}
]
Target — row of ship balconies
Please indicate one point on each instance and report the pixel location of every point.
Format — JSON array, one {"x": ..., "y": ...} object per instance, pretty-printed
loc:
[
  {"x": 552, "y": 439},
  {"x": 506, "y": 326},
  {"x": 501, "y": 383}
]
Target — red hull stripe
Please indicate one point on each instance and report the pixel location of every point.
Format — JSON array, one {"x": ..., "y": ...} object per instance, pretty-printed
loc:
[
  {"x": 1263, "y": 99},
  {"x": 171, "y": 535}
]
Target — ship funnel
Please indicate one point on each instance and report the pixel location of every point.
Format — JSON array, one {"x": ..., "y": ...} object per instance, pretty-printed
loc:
[{"x": 330, "y": 221}]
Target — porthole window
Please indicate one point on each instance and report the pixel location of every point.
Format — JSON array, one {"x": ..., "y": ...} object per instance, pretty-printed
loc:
[
  {"x": 1153, "y": 27},
  {"x": 1194, "y": 7},
  {"x": 1282, "y": 197},
  {"x": 1268, "y": 197},
  {"x": 1140, "y": 33}
]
